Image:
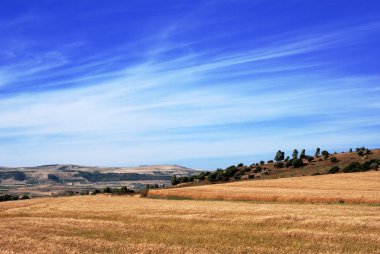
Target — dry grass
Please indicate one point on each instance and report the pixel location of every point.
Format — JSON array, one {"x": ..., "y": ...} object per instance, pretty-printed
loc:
[
  {"x": 119, "y": 224},
  {"x": 348, "y": 188},
  {"x": 319, "y": 166}
]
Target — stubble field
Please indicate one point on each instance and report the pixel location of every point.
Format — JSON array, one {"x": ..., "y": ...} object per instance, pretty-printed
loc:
[
  {"x": 122, "y": 224},
  {"x": 356, "y": 188}
]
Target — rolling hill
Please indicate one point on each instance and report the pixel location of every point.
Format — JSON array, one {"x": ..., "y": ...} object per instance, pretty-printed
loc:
[{"x": 48, "y": 179}]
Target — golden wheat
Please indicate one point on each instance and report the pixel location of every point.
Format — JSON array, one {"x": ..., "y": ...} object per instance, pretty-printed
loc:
[
  {"x": 348, "y": 188},
  {"x": 120, "y": 224}
]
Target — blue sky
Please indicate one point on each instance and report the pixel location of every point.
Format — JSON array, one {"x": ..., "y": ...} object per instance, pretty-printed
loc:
[{"x": 205, "y": 84}]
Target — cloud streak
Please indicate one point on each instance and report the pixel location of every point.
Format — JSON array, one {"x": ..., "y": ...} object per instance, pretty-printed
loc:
[{"x": 185, "y": 102}]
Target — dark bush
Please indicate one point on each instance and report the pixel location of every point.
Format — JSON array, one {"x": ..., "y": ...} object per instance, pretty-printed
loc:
[
  {"x": 184, "y": 179},
  {"x": 107, "y": 190},
  {"x": 257, "y": 169},
  {"x": 221, "y": 176},
  {"x": 353, "y": 167},
  {"x": 174, "y": 180},
  {"x": 374, "y": 165},
  {"x": 334, "y": 160},
  {"x": 297, "y": 163},
  {"x": 279, "y": 165},
  {"x": 270, "y": 161},
  {"x": 333, "y": 170},
  {"x": 8, "y": 197},
  {"x": 262, "y": 162},
  {"x": 231, "y": 171},
  {"x": 212, "y": 177},
  {"x": 237, "y": 176},
  {"x": 325, "y": 154}
]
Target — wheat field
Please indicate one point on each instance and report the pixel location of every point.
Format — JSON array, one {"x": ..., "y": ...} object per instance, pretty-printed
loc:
[
  {"x": 359, "y": 188},
  {"x": 121, "y": 224}
]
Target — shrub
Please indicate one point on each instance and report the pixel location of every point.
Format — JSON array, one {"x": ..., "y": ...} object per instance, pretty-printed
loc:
[
  {"x": 279, "y": 165},
  {"x": 212, "y": 177},
  {"x": 353, "y": 167},
  {"x": 237, "y": 176},
  {"x": 125, "y": 190},
  {"x": 262, "y": 162},
  {"x": 231, "y": 171},
  {"x": 240, "y": 165},
  {"x": 25, "y": 197},
  {"x": 297, "y": 163},
  {"x": 270, "y": 161},
  {"x": 257, "y": 169},
  {"x": 184, "y": 179},
  {"x": 220, "y": 176},
  {"x": 309, "y": 158},
  {"x": 334, "y": 160},
  {"x": 325, "y": 154},
  {"x": 333, "y": 170},
  {"x": 8, "y": 197},
  {"x": 374, "y": 165},
  {"x": 174, "y": 180},
  {"x": 363, "y": 151}
]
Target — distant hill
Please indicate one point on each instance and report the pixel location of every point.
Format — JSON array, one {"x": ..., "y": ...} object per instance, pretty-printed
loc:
[{"x": 47, "y": 179}]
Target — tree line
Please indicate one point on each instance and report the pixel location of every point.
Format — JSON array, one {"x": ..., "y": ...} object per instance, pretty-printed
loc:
[{"x": 280, "y": 161}]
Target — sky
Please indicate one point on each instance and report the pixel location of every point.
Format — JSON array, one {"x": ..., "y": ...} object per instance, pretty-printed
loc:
[{"x": 204, "y": 84}]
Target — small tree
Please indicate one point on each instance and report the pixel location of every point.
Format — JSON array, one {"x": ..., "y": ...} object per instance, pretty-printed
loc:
[
  {"x": 350, "y": 150},
  {"x": 317, "y": 151},
  {"x": 174, "y": 180},
  {"x": 262, "y": 162},
  {"x": 279, "y": 156},
  {"x": 303, "y": 154},
  {"x": 295, "y": 154},
  {"x": 334, "y": 160}
]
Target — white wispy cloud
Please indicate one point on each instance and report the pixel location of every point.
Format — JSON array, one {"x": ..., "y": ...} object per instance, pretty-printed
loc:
[{"x": 192, "y": 105}]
